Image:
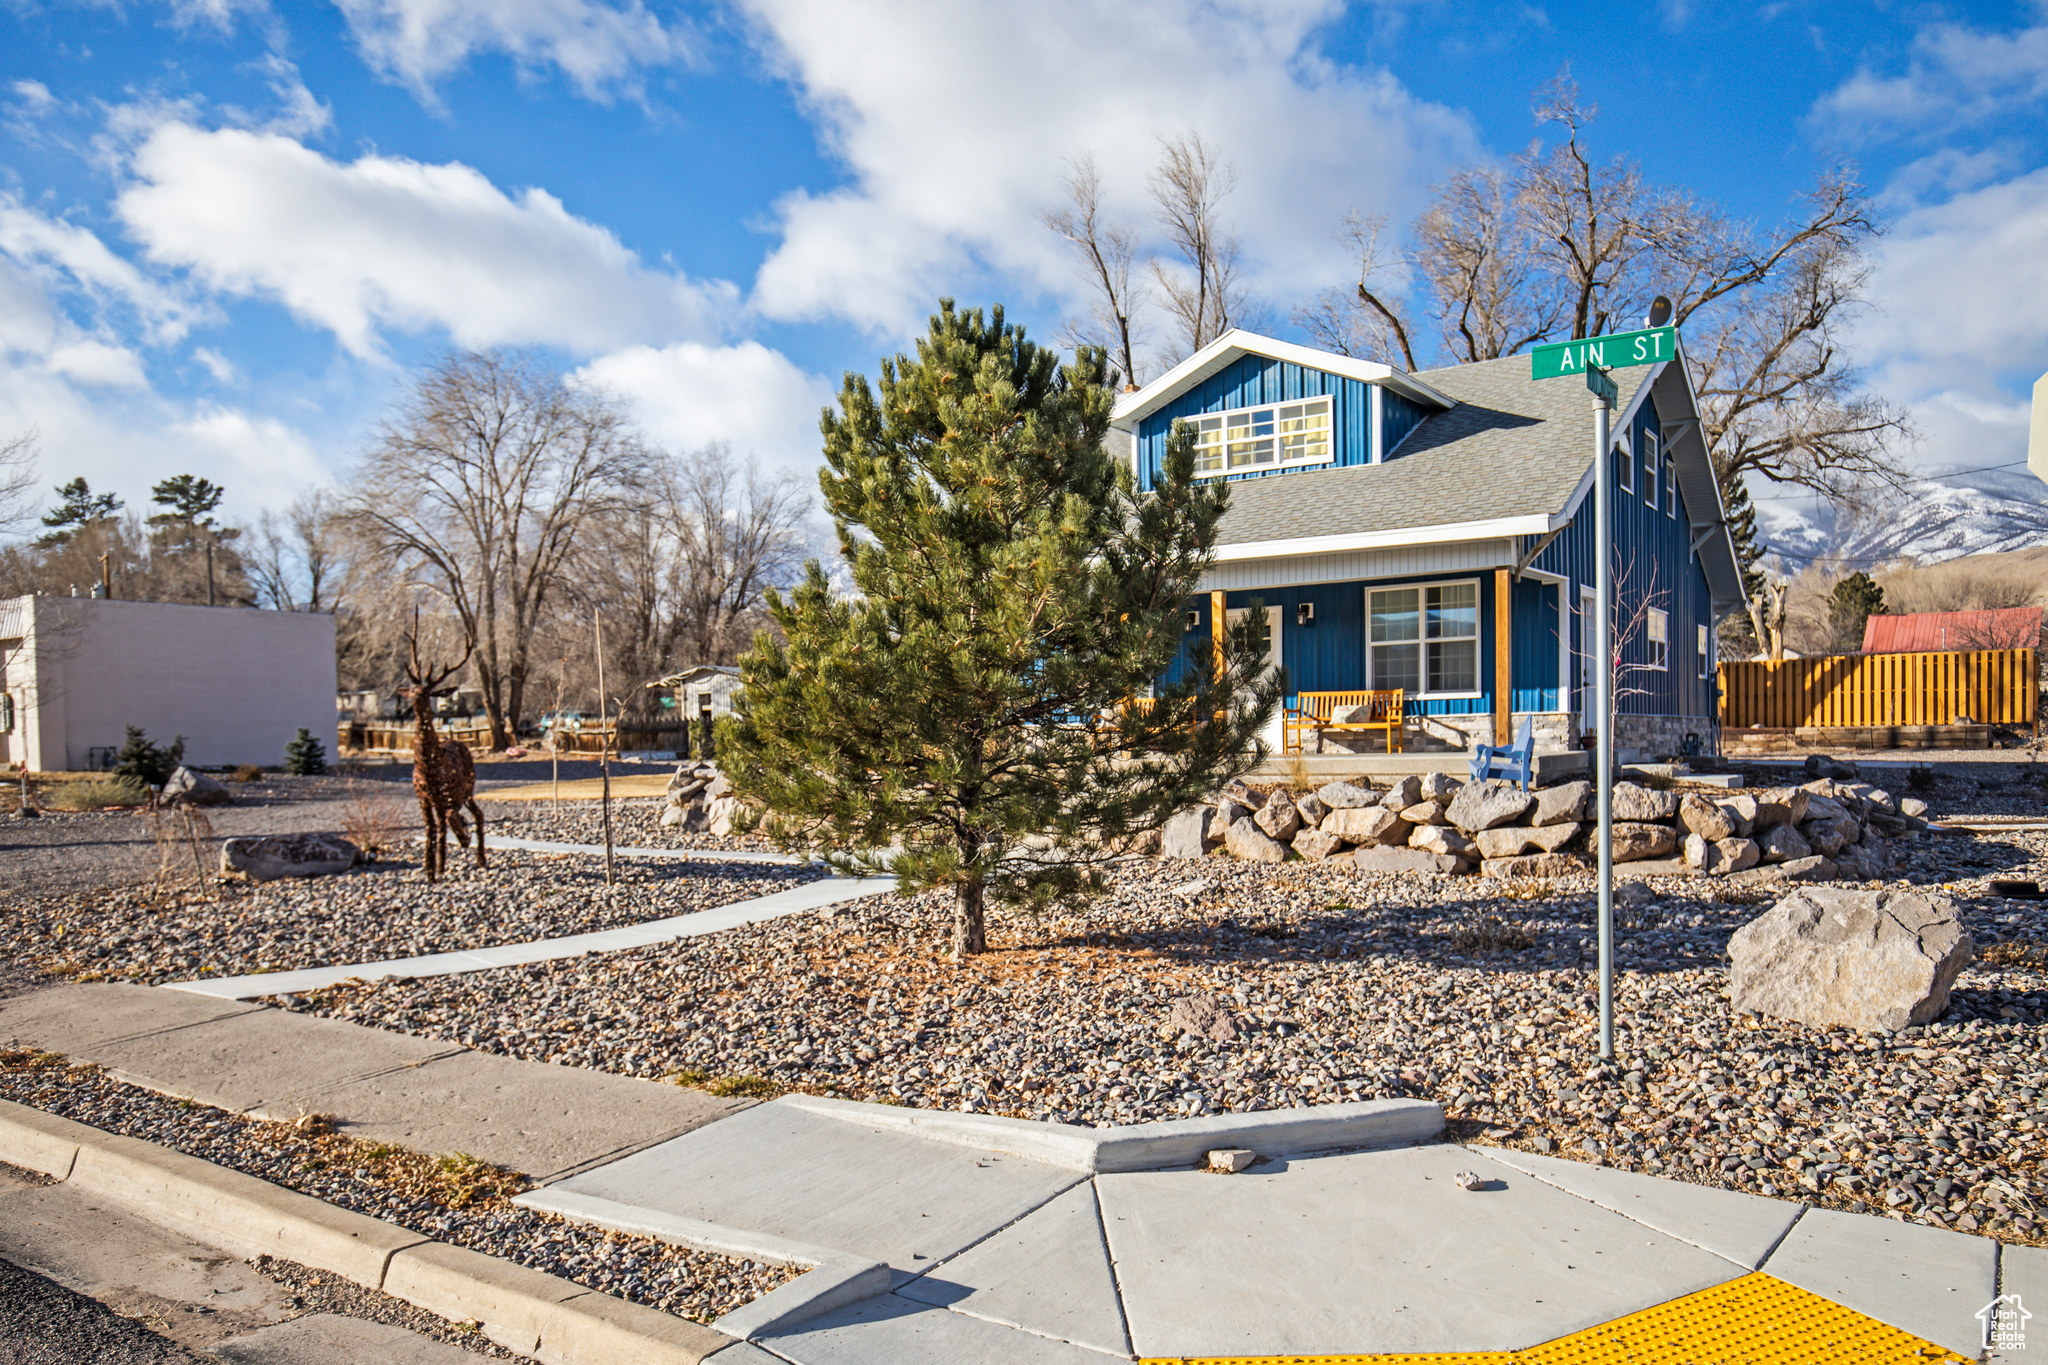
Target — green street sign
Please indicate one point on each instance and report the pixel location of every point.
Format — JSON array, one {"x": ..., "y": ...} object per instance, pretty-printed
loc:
[
  {"x": 1556, "y": 359},
  {"x": 1600, "y": 383}
]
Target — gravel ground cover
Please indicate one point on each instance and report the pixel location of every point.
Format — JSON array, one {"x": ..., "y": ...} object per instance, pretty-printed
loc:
[
  {"x": 383, "y": 911},
  {"x": 1339, "y": 986},
  {"x": 455, "y": 1198},
  {"x": 636, "y": 821}
]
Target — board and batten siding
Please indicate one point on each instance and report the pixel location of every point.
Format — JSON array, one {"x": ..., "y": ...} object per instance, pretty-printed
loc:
[
  {"x": 1328, "y": 653},
  {"x": 1249, "y": 382},
  {"x": 1652, "y": 555}
]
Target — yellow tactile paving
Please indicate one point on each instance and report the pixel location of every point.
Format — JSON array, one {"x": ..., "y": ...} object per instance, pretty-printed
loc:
[{"x": 1752, "y": 1320}]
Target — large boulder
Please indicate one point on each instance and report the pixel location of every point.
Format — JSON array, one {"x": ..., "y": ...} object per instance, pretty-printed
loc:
[
  {"x": 1643, "y": 805},
  {"x": 1835, "y": 770},
  {"x": 1784, "y": 844},
  {"x": 1482, "y": 805},
  {"x": 1705, "y": 818},
  {"x": 1246, "y": 840},
  {"x": 1346, "y": 796},
  {"x": 1635, "y": 839},
  {"x": 1797, "y": 870},
  {"x": 1403, "y": 793},
  {"x": 1425, "y": 813},
  {"x": 187, "y": 788},
  {"x": 1781, "y": 806},
  {"x": 1443, "y": 839},
  {"x": 265, "y": 858},
  {"x": 1317, "y": 844},
  {"x": 1830, "y": 836},
  {"x": 1278, "y": 818},
  {"x": 1312, "y": 809},
  {"x": 1187, "y": 835},
  {"x": 1879, "y": 960},
  {"x": 1370, "y": 825},
  {"x": 1562, "y": 804},
  {"x": 1384, "y": 859},
  {"x": 718, "y": 815},
  {"x": 1551, "y": 838},
  {"x": 1504, "y": 842},
  {"x": 1532, "y": 865},
  {"x": 1738, "y": 855},
  {"x": 1743, "y": 810},
  {"x": 1438, "y": 786}
]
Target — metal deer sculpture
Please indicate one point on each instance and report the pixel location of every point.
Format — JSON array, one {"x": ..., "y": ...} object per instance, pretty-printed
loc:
[{"x": 443, "y": 773}]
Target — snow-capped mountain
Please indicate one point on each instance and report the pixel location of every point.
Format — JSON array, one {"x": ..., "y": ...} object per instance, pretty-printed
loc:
[{"x": 1998, "y": 511}]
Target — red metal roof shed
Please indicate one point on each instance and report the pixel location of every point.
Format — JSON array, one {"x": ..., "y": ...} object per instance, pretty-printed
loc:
[{"x": 2002, "y": 628}]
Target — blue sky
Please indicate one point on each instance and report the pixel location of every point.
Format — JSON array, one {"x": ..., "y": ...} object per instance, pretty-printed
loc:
[{"x": 228, "y": 228}]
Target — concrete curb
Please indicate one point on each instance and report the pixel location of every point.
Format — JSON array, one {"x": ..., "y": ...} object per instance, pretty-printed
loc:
[
  {"x": 1149, "y": 1146},
  {"x": 549, "y": 1318},
  {"x": 833, "y": 1278}
]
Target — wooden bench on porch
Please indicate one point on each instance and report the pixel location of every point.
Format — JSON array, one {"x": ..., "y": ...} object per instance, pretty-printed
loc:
[{"x": 1324, "y": 712}]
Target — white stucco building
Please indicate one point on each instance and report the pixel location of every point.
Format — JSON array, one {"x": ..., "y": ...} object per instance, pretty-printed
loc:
[{"x": 235, "y": 682}]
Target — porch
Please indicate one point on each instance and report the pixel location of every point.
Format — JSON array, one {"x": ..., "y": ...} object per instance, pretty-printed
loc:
[{"x": 1337, "y": 767}]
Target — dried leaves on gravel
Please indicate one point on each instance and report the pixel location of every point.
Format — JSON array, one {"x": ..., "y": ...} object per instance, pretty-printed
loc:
[{"x": 452, "y": 1198}]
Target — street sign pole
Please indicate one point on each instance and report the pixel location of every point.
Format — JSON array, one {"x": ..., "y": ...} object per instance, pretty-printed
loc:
[{"x": 1603, "y": 698}]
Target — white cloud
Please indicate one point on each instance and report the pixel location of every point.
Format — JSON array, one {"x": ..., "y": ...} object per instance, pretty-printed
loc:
[
  {"x": 957, "y": 122},
  {"x": 66, "y": 256},
  {"x": 100, "y": 364},
  {"x": 688, "y": 395},
  {"x": 600, "y": 47},
  {"x": 34, "y": 96},
  {"x": 1956, "y": 77},
  {"x": 219, "y": 366},
  {"x": 384, "y": 242},
  {"x": 1961, "y": 288}
]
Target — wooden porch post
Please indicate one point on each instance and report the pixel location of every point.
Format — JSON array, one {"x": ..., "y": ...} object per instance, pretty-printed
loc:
[
  {"x": 1503, "y": 661},
  {"x": 1218, "y": 632}
]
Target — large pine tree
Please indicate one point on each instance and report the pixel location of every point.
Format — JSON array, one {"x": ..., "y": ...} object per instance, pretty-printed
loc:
[{"x": 964, "y": 718}]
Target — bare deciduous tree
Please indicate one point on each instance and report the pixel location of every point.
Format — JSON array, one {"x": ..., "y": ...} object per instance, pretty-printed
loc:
[
  {"x": 1206, "y": 295},
  {"x": 1107, "y": 251},
  {"x": 483, "y": 481},
  {"x": 17, "y": 482},
  {"x": 1557, "y": 245},
  {"x": 294, "y": 560},
  {"x": 1356, "y": 321}
]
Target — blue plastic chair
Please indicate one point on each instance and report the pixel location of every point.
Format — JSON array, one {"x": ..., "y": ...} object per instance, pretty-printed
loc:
[{"x": 1514, "y": 761}]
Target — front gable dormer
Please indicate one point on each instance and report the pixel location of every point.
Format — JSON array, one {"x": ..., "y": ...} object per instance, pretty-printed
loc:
[{"x": 1262, "y": 407}]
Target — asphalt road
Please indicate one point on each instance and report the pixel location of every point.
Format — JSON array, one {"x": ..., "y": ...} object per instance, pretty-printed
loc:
[{"x": 43, "y": 1323}]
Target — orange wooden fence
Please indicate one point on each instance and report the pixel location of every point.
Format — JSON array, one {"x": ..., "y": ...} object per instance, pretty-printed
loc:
[{"x": 1990, "y": 686}]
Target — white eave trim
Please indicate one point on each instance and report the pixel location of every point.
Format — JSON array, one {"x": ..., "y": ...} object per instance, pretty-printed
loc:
[
  {"x": 1497, "y": 529},
  {"x": 1134, "y": 407}
]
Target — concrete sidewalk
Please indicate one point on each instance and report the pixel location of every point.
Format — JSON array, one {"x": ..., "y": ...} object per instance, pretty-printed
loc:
[{"x": 957, "y": 1238}]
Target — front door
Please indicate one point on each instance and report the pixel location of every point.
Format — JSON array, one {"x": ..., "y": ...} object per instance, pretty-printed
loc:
[{"x": 1235, "y": 617}]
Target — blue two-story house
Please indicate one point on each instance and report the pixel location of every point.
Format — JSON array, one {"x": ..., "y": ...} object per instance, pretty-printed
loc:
[{"x": 1434, "y": 532}]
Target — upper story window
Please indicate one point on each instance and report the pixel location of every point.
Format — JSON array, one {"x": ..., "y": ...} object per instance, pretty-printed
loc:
[
  {"x": 1670, "y": 486},
  {"x": 1650, "y": 469},
  {"x": 1660, "y": 639},
  {"x": 1274, "y": 437},
  {"x": 1625, "y": 463}
]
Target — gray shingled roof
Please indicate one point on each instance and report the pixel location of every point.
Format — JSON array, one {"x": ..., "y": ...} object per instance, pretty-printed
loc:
[{"x": 1512, "y": 447}]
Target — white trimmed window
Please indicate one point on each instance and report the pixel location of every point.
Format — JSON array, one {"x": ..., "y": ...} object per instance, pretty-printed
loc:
[
  {"x": 1279, "y": 436},
  {"x": 1670, "y": 487},
  {"x": 1625, "y": 463},
  {"x": 1650, "y": 469},
  {"x": 1706, "y": 664},
  {"x": 1424, "y": 639},
  {"x": 1660, "y": 639}
]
